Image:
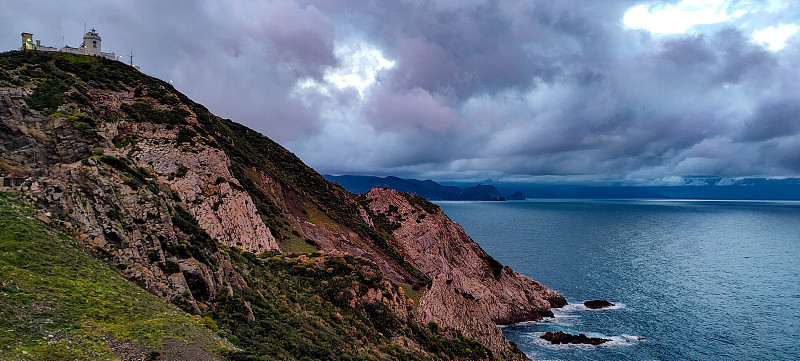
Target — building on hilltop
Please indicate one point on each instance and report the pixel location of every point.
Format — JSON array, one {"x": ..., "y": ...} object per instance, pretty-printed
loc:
[{"x": 90, "y": 46}]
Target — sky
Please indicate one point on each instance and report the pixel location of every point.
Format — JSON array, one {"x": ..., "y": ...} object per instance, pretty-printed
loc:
[{"x": 569, "y": 91}]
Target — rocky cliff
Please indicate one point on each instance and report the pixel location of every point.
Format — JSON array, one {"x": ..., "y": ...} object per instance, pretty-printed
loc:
[
  {"x": 182, "y": 202},
  {"x": 470, "y": 289}
]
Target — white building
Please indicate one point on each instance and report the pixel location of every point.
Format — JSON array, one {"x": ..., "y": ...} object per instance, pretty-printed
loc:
[{"x": 90, "y": 46}]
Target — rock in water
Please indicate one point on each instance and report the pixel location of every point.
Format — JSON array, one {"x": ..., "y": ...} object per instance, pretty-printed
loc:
[
  {"x": 516, "y": 196},
  {"x": 596, "y": 304},
  {"x": 567, "y": 338}
]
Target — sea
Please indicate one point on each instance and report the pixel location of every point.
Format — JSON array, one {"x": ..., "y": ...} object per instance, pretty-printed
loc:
[{"x": 689, "y": 279}]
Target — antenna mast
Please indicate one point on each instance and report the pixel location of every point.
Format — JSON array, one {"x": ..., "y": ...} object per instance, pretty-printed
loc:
[{"x": 131, "y": 57}]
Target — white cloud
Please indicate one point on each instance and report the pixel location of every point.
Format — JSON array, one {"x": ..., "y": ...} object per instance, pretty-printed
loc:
[
  {"x": 360, "y": 65},
  {"x": 677, "y": 18},
  {"x": 775, "y": 37}
]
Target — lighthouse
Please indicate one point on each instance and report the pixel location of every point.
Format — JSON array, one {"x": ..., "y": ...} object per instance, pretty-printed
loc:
[{"x": 91, "y": 43}]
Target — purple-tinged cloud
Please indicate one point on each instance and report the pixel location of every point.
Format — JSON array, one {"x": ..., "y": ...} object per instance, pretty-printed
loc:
[{"x": 410, "y": 110}]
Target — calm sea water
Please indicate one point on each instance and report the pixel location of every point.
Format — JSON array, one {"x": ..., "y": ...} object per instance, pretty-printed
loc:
[{"x": 691, "y": 280}]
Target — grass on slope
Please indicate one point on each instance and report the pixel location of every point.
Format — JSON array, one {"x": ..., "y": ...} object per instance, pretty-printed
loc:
[
  {"x": 316, "y": 307},
  {"x": 58, "y": 303}
]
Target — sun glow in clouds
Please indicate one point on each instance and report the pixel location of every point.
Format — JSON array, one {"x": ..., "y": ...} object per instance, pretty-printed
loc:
[
  {"x": 775, "y": 37},
  {"x": 677, "y": 18},
  {"x": 359, "y": 65}
]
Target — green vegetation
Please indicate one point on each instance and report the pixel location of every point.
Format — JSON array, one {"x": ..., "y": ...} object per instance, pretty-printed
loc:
[
  {"x": 412, "y": 291},
  {"x": 100, "y": 72},
  {"x": 64, "y": 79},
  {"x": 161, "y": 95},
  {"x": 54, "y": 88},
  {"x": 186, "y": 135},
  {"x": 82, "y": 122},
  {"x": 5, "y": 78},
  {"x": 144, "y": 112},
  {"x": 294, "y": 243},
  {"x": 58, "y": 303},
  {"x": 49, "y": 95},
  {"x": 303, "y": 311},
  {"x": 422, "y": 203},
  {"x": 197, "y": 237},
  {"x": 135, "y": 177},
  {"x": 494, "y": 265},
  {"x": 182, "y": 171},
  {"x": 197, "y": 244}
]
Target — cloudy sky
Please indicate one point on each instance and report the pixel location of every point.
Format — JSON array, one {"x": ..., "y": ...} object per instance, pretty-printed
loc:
[{"x": 537, "y": 90}]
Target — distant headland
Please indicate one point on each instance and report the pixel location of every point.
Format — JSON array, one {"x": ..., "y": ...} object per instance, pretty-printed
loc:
[{"x": 427, "y": 189}]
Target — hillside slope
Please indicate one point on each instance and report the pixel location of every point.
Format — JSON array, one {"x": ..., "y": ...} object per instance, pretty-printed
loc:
[
  {"x": 60, "y": 303},
  {"x": 182, "y": 202}
]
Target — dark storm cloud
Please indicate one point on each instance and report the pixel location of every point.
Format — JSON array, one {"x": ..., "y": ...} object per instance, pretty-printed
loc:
[
  {"x": 415, "y": 109},
  {"x": 300, "y": 37},
  {"x": 788, "y": 150},
  {"x": 772, "y": 120},
  {"x": 510, "y": 89},
  {"x": 740, "y": 56},
  {"x": 687, "y": 52}
]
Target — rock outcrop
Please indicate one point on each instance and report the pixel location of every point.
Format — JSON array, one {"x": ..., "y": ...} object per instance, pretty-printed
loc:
[
  {"x": 447, "y": 305},
  {"x": 201, "y": 177},
  {"x": 516, "y": 196},
  {"x": 597, "y": 304},
  {"x": 135, "y": 226},
  {"x": 561, "y": 337},
  {"x": 469, "y": 286}
]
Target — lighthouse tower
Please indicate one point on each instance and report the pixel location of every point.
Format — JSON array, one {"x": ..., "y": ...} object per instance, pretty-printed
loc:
[
  {"x": 91, "y": 43},
  {"x": 27, "y": 41}
]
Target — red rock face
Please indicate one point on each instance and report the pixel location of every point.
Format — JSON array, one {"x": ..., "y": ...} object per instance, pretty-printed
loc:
[
  {"x": 206, "y": 186},
  {"x": 470, "y": 290}
]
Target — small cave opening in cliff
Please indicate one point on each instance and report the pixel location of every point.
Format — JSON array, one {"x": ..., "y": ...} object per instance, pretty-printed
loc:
[{"x": 197, "y": 285}]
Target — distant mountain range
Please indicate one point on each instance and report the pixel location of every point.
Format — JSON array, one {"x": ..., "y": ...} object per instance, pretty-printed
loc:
[
  {"x": 427, "y": 189},
  {"x": 711, "y": 188},
  {"x": 707, "y": 188}
]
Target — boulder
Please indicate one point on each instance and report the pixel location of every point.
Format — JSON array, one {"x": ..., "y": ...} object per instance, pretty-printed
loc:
[
  {"x": 597, "y": 304},
  {"x": 560, "y": 337}
]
